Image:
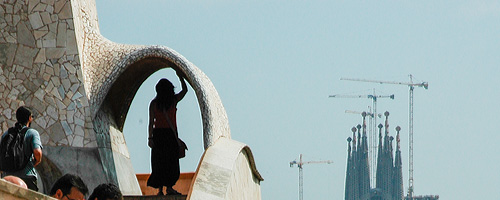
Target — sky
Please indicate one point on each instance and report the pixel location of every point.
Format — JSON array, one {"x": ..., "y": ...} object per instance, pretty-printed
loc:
[{"x": 275, "y": 63}]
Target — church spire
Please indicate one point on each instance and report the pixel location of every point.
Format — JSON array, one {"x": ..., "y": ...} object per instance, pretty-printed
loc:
[
  {"x": 353, "y": 139},
  {"x": 349, "y": 182},
  {"x": 398, "y": 192},
  {"x": 384, "y": 176},
  {"x": 359, "y": 149},
  {"x": 386, "y": 136},
  {"x": 380, "y": 157},
  {"x": 354, "y": 166},
  {"x": 365, "y": 138},
  {"x": 364, "y": 166}
]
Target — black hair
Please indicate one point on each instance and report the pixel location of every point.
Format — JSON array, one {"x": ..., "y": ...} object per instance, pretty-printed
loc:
[
  {"x": 66, "y": 182},
  {"x": 106, "y": 191},
  {"x": 164, "y": 94},
  {"x": 23, "y": 115}
]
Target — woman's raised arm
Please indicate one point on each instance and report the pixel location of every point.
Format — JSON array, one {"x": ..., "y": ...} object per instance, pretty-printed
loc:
[{"x": 184, "y": 90}]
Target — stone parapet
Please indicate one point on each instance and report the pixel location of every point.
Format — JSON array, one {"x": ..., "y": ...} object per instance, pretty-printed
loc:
[{"x": 9, "y": 191}]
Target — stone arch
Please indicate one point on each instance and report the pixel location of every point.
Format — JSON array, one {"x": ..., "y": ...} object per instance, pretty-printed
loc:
[
  {"x": 111, "y": 97},
  {"x": 137, "y": 65},
  {"x": 127, "y": 84}
]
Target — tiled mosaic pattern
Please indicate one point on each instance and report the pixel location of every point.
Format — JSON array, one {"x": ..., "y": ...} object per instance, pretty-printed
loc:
[{"x": 40, "y": 68}]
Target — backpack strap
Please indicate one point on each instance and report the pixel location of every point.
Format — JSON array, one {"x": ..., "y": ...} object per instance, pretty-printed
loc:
[
  {"x": 24, "y": 130},
  {"x": 23, "y": 134}
]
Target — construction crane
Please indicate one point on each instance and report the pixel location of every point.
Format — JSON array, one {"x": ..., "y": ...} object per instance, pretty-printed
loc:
[
  {"x": 372, "y": 152},
  {"x": 411, "y": 86},
  {"x": 300, "y": 164},
  {"x": 374, "y": 98}
]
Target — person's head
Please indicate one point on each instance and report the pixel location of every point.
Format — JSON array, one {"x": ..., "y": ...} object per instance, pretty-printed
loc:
[
  {"x": 164, "y": 94},
  {"x": 16, "y": 180},
  {"x": 164, "y": 88},
  {"x": 69, "y": 187},
  {"x": 106, "y": 191},
  {"x": 23, "y": 115}
]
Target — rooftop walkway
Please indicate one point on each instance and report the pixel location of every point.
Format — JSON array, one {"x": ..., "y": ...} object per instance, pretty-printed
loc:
[{"x": 183, "y": 184}]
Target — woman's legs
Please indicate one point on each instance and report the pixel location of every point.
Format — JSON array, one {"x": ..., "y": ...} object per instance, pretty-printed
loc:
[
  {"x": 160, "y": 190},
  {"x": 170, "y": 191},
  {"x": 164, "y": 161}
]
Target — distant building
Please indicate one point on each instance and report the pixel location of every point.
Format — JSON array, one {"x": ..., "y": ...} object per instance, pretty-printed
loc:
[
  {"x": 389, "y": 174},
  {"x": 389, "y": 182}
]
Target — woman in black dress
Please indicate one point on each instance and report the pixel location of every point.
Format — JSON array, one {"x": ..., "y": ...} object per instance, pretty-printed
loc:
[{"x": 163, "y": 136}]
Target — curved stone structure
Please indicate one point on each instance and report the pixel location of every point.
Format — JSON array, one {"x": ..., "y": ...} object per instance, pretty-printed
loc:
[
  {"x": 54, "y": 59},
  {"x": 226, "y": 171}
]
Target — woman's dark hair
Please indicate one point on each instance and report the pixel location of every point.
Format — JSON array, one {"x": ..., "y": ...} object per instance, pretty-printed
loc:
[
  {"x": 66, "y": 182},
  {"x": 106, "y": 191},
  {"x": 164, "y": 94}
]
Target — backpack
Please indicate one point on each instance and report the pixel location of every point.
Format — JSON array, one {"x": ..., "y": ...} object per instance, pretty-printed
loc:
[{"x": 12, "y": 156}]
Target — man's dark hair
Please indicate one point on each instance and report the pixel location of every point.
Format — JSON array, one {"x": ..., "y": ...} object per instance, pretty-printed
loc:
[
  {"x": 66, "y": 182},
  {"x": 23, "y": 115},
  {"x": 106, "y": 191}
]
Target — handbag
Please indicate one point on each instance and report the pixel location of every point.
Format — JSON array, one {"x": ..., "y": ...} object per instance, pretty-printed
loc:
[
  {"x": 182, "y": 148},
  {"x": 180, "y": 143}
]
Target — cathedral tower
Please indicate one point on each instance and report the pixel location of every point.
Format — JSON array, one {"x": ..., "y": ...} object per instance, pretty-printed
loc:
[{"x": 389, "y": 178}]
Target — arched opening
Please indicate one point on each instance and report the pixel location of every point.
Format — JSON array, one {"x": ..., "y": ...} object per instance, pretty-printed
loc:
[
  {"x": 125, "y": 87},
  {"x": 188, "y": 121},
  {"x": 128, "y": 100}
]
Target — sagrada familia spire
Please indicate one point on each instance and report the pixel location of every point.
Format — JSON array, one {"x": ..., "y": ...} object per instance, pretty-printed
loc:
[{"x": 389, "y": 177}]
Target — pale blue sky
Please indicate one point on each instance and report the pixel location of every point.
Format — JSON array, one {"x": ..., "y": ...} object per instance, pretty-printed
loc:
[{"x": 274, "y": 64}]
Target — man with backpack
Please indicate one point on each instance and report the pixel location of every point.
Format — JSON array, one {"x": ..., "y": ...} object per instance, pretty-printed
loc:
[{"x": 20, "y": 158}]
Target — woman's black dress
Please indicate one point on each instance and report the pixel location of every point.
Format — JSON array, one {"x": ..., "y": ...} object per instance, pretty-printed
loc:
[{"x": 164, "y": 159}]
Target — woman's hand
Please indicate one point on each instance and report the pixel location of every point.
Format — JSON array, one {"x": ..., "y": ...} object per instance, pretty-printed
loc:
[
  {"x": 151, "y": 144},
  {"x": 184, "y": 90}
]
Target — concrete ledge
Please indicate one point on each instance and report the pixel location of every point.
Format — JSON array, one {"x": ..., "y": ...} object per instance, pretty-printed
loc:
[{"x": 9, "y": 191}]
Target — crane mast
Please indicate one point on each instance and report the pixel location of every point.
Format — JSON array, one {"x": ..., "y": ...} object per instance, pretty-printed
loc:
[
  {"x": 300, "y": 164},
  {"x": 411, "y": 86},
  {"x": 410, "y": 146}
]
